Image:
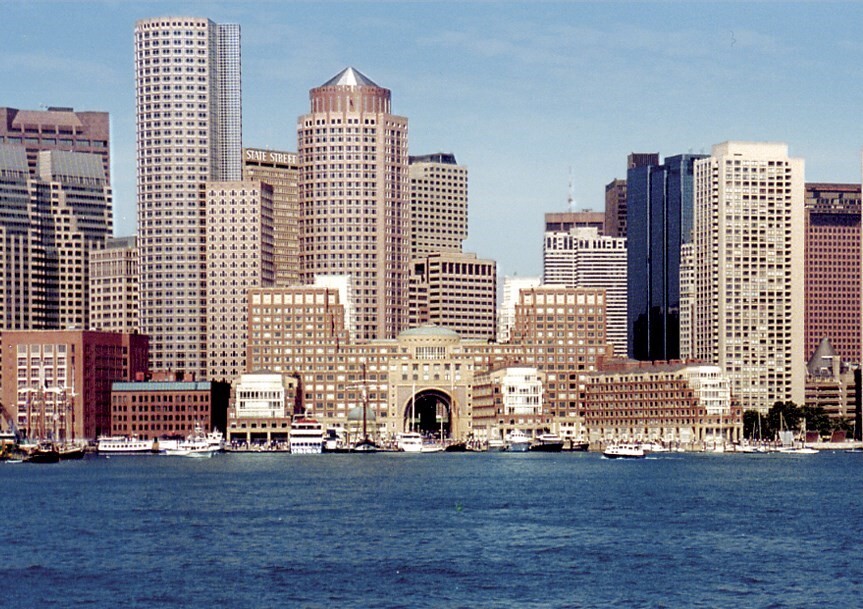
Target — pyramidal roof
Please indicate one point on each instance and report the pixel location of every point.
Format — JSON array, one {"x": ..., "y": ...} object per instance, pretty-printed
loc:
[
  {"x": 822, "y": 360},
  {"x": 349, "y": 77}
]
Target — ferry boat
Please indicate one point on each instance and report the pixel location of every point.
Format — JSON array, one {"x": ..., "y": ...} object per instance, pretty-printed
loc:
[
  {"x": 124, "y": 445},
  {"x": 495, "y": 444},
  {"x": 197, "y": 444},
  {"x": 306, "y": 437},
  {"x": 624, "y": 451},
  {"x": 410, "y": 442},
  {"x": 517, "y": 441},
  {"x": 547, "y": 443}
]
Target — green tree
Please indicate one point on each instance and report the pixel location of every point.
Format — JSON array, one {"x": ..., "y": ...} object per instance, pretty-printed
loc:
[
  {"x": 783, "y": 415},
  {"x": 817, "y": 419}
]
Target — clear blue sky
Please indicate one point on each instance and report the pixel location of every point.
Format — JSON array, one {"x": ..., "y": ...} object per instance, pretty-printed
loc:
[{"x": 519, "y": 92}]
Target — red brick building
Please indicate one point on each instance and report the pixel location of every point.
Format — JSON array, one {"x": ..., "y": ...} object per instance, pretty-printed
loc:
[{"x": 57, "y": 383}]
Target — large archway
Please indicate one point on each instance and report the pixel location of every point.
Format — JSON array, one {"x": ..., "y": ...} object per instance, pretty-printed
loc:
[{"x": 430, "y": 413}]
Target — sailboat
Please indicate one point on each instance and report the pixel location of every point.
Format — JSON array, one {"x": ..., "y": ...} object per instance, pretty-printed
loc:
[
  {"x": 365, "y": 444},
  {"x": 786, "y": 436}
]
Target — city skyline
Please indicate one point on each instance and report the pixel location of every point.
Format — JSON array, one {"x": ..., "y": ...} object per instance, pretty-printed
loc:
[{"x": 519, "y": 95}]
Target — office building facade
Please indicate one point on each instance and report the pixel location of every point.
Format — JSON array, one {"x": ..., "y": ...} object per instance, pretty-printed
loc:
[
  {"x": 281, "y": 170},
  {"x": 114, "y": 286},
  {"x": 354, "y": 195},
  {"x": 747, "y": 271},
  {"x": 832, "y": 270},
  {"x": 582, "y": 258},
  {"x": 615, "y": 208},
  {"x": 438, "y": 204},
  {"x": 51, "y": 220},
  {"x": 188, "y": 120},
  {"x": 60, "y": 129},
  {"x": 239, "y": 257},
  {"x": 456, "y": 291},
  {"x": 659, "y": 216}
]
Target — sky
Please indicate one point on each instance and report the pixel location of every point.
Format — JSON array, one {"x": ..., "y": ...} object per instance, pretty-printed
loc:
[{"x": 530, "y": 97}]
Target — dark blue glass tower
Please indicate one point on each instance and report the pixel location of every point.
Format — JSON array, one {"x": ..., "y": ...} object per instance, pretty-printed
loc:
[{"x": 659, "y": 222}]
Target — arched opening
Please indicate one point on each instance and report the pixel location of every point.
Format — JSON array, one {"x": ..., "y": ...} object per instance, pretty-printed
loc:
[{"x": 429, "y": 412}]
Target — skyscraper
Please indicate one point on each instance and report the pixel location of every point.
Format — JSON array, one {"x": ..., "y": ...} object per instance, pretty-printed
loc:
[
  {"x": 114, "y": 286},
  {"x": 833, "y": 268},
  {"x": 659, "y": 217},
  {"x": 747, "y": 271},
  {"x": 188, "y": 119},
  {"x": 582, "y": 258},
  {"x": 456, "y": 291},
  {"x": 57, "y": 129},
  {"x": 281, "y": 170},
  {"x": 615, "y": 208},
  {"x": 438, "y": 209},
  {"x": 239, "y": 257},
  {"x": 354, "y": 194},
  {"x": 51, "y": 219}
]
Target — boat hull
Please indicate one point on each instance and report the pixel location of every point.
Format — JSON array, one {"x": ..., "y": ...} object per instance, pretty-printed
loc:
[{"x": 547, "y": 447}]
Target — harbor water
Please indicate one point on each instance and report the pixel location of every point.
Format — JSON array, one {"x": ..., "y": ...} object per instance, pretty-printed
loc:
[{"x": 491, "y": 530}]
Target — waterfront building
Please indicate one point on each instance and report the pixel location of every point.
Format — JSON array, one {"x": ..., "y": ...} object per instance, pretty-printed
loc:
[
  {"x": 429, "y": 370},
  {"x": 670, "y": 402},
  {"x": 354, "y": 196},
  {"x": 830, "y": 383},
  {"x": 239, "y": 228},
  {"x": 114, "y": 286},
  {"x": 281, "y": 170},
  {"x": 512, "y": 287},
  {"x": 562, "y": 331},
  {"x": 261, "y": 407},
  {"x": 564, "y": 222},
  {"x": 57, "y": 129},
  {"x": 456, "y": 291},
  {"x": 438, "y": 204},
  {"x": 50, "y": 222},
  {"x": 832, "y": 268},
  {"x": 747, "y": 271},
  {"x": 659, "y": 217},
  {"x": 188, "y": 125},
  {"x": 581, "y": 257},
  {"x": 615, "y": 208},
  {"x": 508, "y": 399},
  {"x": 57, "y": 383},
  {"x": 167, "y": 404}
]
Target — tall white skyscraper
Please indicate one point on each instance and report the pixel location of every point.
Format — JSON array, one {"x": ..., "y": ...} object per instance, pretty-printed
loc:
[
  {"x": 747, "y": 289},
  {"x": 188, "y": 118},
  {"x": 582, "y": 258}
]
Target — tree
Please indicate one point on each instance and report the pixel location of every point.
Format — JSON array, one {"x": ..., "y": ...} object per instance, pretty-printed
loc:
[
  {"x": 817, "y": 419},
  {"x": 782, "y": 415}
]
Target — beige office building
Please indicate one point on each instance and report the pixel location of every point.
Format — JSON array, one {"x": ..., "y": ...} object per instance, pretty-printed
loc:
[
  {"x": 438, "y": 211},
  {"x": 581, "y": 256},
  {"x": 114, "y": 287},
  {"x": 189, "y": 132},
  {"x": 747, "y": 312},
  {"x": 281, "y": 170},
  {"x": 239, "y": 257},
  {"x": 354, "y": 196},
  {"x": 455, "y": 291}
]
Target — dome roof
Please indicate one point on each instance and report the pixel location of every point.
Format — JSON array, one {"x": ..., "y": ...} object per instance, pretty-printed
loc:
[
  {"x": 356, "y": 414},
  {"x": 430, "y": 331}
]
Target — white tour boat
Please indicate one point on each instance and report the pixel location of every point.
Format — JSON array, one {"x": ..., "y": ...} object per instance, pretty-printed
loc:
[
  {"x": 624, "y": 451},
  {"x": 124, "y": 445},
  {"x": 410, "y": 442},
  {"x": 307, "y": 436},
  {"x": 517, "y": 441}
]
